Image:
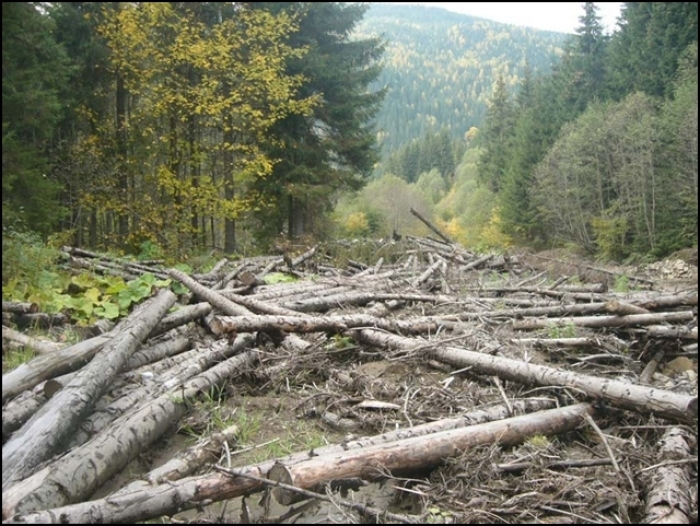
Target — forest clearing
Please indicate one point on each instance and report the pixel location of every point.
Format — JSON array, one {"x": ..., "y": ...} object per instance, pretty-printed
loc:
[{"x": 395, "y": 381}]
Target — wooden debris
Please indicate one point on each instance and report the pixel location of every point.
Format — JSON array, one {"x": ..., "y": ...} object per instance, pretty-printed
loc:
[{"x": 76, "y": 416}]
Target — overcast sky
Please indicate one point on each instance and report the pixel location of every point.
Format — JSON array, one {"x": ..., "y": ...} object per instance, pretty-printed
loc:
[{"x": 555, "y": 16}]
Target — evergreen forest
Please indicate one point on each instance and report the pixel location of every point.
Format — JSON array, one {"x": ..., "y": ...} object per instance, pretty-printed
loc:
[
  {"x": 180, "y": 127},
  {"x": 598, "y": 153}
]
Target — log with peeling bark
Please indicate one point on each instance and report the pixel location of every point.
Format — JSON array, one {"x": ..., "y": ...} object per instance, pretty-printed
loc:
[
  {"x": 40, "y": 438},
  {"x": 186, "y": 462},
  {"x": 666, "y": 404},
  {"x": 668, "y": 495},
  {"x": 63, "y": 361},
  {"x": 22, "y": 340},
  {"x": 227, "y": 324},
  {"x": 422, "y": 452},
  {"x": 166, "y": 499},
  {"x": 76, "y": 475},
  {"x": 605, "y": 321}
]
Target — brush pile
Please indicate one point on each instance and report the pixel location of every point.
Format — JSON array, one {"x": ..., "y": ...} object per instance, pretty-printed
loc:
[{"x": 484, "y": 387}]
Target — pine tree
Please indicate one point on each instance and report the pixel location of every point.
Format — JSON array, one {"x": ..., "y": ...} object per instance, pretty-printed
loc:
[
  {"x": 335, "y": 148},
  {"x": 644, "y": 52},
  {"x": 35, "y": 71},
  {"x": 498, "y": 133}
]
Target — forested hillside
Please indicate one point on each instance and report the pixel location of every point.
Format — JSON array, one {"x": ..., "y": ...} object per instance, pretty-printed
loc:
[
  {"x": 599, "y": 154},
  {"x": 175, "y": 128},
  {"x": 440, "y": 67}
]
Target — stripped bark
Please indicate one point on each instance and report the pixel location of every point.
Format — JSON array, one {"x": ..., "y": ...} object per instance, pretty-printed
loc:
[{"x": 41, "y": 437}]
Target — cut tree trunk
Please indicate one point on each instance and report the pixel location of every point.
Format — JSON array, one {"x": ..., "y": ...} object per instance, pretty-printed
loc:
[
  {"x": 63, "y": 361},
  {"x": 78, "y": 474},
  {"x": 666, "y": 404},
  {"x": 170, "y": 498},
  {"x": 605, "y": 321},
  {"x": 432, "y": 227},
  {"x": 22, "y": 340},
  {"x": 668, "y": 496},
  {"x": 41, "y": 437},
  {"x": 372, "y": 463},
  {"x": 227, "y": 324}
]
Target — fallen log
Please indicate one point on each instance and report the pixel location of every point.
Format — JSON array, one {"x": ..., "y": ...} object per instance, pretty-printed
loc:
[
  {"x": 39, "y": 319},
  {"x": 40, "y": 438},
  {"x": 604, "y": 321},
  {"x": 76, "y": 475},
  {"x": 193, "y": 492},
  {"x": 63, "y": 361},
  {"x": 427, "y": 273},
  {"x": 668, "y": 491},
  {"x": 186, "y": 462},
  {"x": 372, "y": 463},
  {"x": 227, "y": 324},
  {"x": 432, "y": 227},
  {"x": 22, "y": 340},
  {"x": 216, "y": 299},
  {"x": 666, "y": 404},
  {"x": 663, "y": 331},
  {"x": 181, "y": 317}
]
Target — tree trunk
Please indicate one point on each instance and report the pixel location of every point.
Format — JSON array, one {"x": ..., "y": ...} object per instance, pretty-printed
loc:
[
  {"x": 43, "y": 435},
  {"x": 140, "y": 505},
  {"x": 667, "y": 404},
  {"x": 604, "y": 321},
  {"x": 78, "y": 474}
]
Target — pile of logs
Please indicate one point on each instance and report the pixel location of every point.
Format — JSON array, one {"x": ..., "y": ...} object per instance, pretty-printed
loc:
[{"x": 74, "y": 416}]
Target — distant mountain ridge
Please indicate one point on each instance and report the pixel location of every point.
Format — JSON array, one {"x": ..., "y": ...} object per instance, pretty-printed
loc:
[{"x": 440, "y": 67}]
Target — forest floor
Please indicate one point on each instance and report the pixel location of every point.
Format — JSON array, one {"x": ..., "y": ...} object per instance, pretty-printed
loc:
[{"x": 340, "y": 385}]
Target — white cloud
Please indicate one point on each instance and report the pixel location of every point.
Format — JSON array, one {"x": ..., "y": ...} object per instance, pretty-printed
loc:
[{"x": 556, "y": 16}]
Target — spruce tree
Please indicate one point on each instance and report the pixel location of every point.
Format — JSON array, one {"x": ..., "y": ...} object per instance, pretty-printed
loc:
[{"x": 335, "y": 147}]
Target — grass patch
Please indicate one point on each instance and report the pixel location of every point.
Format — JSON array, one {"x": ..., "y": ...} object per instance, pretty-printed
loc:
[
  {"x": 299, "y": 435},
  {"x": 13, "y": 358},
  {"x": 568, "y": 330}
]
